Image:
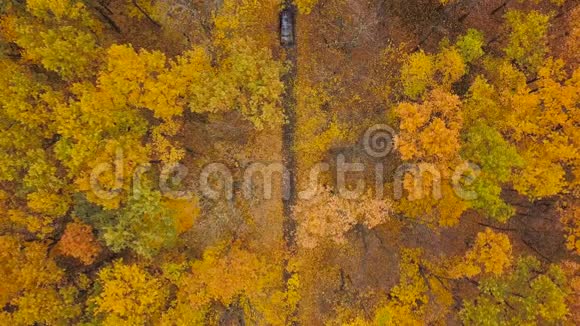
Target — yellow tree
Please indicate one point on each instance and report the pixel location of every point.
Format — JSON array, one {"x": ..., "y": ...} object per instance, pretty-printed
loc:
[
  {"x": 420, "y": 297},
  {"x": 422, "y": 72},
  {"x": 491, "y": 254},
  {"x": 34, "y": 285},
  {"x": 27, "y": 128},
  {"x": 429, "y": 140},
  {"x": 542, "y": 125},
  {"x": 232, "y": 277},
  {"x": 328, "y": 216},
  {"x": 60, "y": 35},
  {"x": 570, "y": 219},
  {"x": 129, "y": 295}
]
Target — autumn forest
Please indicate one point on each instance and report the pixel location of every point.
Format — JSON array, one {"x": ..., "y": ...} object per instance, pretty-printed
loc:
[{"x": 289, "y": 162}]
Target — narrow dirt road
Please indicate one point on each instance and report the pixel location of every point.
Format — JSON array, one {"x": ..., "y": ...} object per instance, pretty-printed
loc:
[
  {"x": 288, "y": 154},
  {"x": 289, "y": 106}
]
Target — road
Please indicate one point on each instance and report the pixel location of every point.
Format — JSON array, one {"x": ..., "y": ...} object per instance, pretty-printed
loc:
[
  {"x": 288, "y": 129},
  {"x": 288, "y": 154}
]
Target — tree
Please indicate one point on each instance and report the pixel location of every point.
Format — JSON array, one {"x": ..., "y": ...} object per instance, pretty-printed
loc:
[
  {"x": 144, "y": 225},
  {"x": 70, "y": 52},
  {"x": 450, "y": 66},
  {"x": 128, "y": 295},
  {"x": 62, "y": 11},
  {"x": 79, "y": 242},
  {"x": 429, "y": 138},
  {"x": 420, "y": 297},
  {"x": 60, "y": 35},
  {"x": 329, "y": 216},
  {"x": 247, "y": 79},
  {"x": 491, "y": 254},
  {"x": 527, "y": 41},
  {"x": 430, "y": 130},
  {"x": 417, "y": 74},
  {"x": 542, "y": 128},
  {"x": 229, "y": 277},
  {"x": 25, "y": 121},
  {"x": 497, "y": 158},
  {"x": 317, "y": 130},
  {"x": 422, "y": 72},
  {"x": 33, "y": 285},
  {"x": 483, "y": 103},
  {"x": 470, "y": 45},
  {"x": 528, "y": 294}
]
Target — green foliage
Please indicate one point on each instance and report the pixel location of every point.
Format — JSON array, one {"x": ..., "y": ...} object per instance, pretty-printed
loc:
[
  {"x": 470, "y": 45},
  {"x": 527, "y": 295},
  {"x": 143, "y": 225},
  {"x": 417, "y": 74},
  {"x": 527, "y": 44},
  {"x": 497, "y": 159},
  {"x": 483, "y": 104},
  {"x": 485, "y": 146}
]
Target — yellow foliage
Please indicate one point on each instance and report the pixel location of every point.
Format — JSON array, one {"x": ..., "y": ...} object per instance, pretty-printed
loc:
[
  {"x": 38, "y": 224},
  {"x": 305, "y": 6},
  {"x": 527, "y": 38},
  {"x": 490, "y": 254},
  {"x": 544, "y": 128},
  {"x": 329, "y": 216},
  {"x": 61, "y": 10},
  {"x": 24, "y": 267},
  {"x": 419, "y": 298},
  {"x": 33, "y": 285},
  {"x": 46, "y": 203},
  {"x": 46, "y": 306},
  {"x": 231, "y": 275},
  {"x": 317, "y": 129},
  {"x": 450, "y": 65},
  {"x": 570, "y": 218},
  {"x": 430, "y": 130},
  {"x": 71, "y": 52},
  {"x": 435, "y": 212},
  {"x": 417, "y": 74},
  {"x": 185, "y": 212},
  {"x": 113, "y": 170},
  {"x": 129, "y": 295}
]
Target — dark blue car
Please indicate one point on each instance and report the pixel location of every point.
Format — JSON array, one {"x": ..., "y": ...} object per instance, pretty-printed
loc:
[{"x": 287, "y": 27}]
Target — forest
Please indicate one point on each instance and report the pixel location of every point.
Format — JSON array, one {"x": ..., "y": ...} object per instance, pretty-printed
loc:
[{"x": 289, "y": 162}]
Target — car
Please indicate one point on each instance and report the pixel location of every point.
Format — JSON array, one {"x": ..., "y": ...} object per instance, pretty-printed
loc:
[{"x": 287, "y": 27}]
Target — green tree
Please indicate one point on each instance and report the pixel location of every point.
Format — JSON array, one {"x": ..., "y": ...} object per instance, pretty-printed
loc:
[
  {"x": 144, "y": 224},
  {"x": 470, "y": 45},
  {"x": 497, "y": 159},
  {"x": 529, "y": 294},
  {"x": 527, "y": 41}
]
